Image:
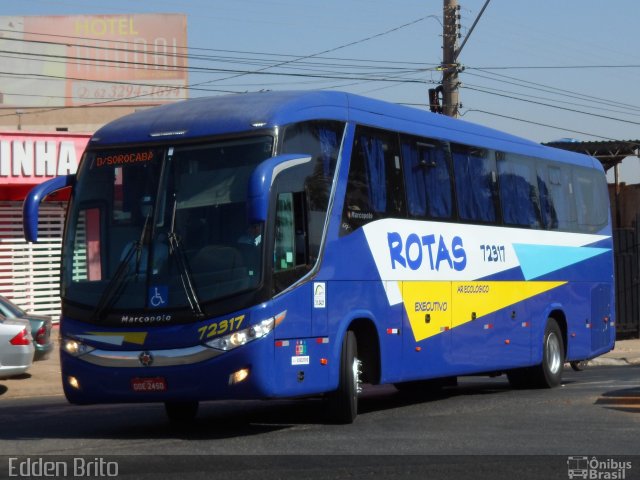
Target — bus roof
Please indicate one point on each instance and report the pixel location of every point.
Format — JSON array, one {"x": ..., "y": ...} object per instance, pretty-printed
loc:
[{"x": 238, "y": 113}]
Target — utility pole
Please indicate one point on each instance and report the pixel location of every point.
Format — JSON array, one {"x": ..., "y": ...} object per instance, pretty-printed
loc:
[
  {"x": 450, "y": 33},
  {"x": 450, "y": 66}
]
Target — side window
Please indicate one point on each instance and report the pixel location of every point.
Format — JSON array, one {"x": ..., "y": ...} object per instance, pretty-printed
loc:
[
  {"x": 290, "y": 247},
  {"x": 284, "y": 245},
  {"x": 560, "y": 190},
  {"x": 547, "y": 207},
  {"x": 321, "y": 140},
  {"x": 592, "y": 200},
  {"x": 427, "y": 178},
  {"x": 374, "y": 187},
  {"x": 517, "y": 178},
  {"x": 87, "y": 263},
  {"x": 475, "y": 183}
]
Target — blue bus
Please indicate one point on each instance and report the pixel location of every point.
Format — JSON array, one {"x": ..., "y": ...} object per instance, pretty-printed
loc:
[{"x": 294, "y": 244}]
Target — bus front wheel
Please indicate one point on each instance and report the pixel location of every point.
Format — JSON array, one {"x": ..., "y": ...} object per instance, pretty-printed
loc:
[{"x": 342, "y": 404}]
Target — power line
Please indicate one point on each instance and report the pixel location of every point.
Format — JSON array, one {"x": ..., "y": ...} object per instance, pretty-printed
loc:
[
  {"x": 239, "y": 72},
  {"x": 401, "y": 81},
  {"x": 552, "y": 67},
  {"x": 205, "y": 57},
  {"x": 128, "y": 64},
  {"x": 536, "y": 123},
  {"x": 489, "y": 89},
  {"x": 294, "y": 56},
  {"x": 552, "y": 106},
  {"x": 553, "y": 90},
  {"x": 350, "y": 44},
  {"x": 32, "y": 76},
  {"x": 135, "y": 65}
]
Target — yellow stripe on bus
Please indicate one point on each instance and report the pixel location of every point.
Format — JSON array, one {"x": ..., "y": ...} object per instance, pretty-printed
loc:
[{"x": 434, "y": 307}]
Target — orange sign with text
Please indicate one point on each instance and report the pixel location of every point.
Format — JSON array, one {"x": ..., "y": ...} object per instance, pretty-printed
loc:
[{"x": 92, "y": 59}]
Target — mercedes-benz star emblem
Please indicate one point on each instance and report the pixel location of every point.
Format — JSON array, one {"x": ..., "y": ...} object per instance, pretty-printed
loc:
[{"x": 146, "y": 359}]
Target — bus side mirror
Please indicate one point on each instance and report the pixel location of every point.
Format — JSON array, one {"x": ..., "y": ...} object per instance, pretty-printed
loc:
[
  {"x": 262, "y": 179},
  {"x": 32, "y": 203}
]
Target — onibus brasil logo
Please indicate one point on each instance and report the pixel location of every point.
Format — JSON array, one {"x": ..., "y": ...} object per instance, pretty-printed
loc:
[{"x": 594, "y": 468}]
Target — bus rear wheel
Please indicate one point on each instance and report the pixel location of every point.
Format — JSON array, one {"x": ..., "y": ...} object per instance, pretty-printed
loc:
[
  {"x": 549, "y": 373},
  {"x": 181, "y": 412},
  {"x": 342, "y": 405}
]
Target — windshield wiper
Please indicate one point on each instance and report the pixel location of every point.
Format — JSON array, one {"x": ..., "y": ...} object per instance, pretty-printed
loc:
[
  {"x": 175, "y": 248},
  {"x": 118, "y": 280}
]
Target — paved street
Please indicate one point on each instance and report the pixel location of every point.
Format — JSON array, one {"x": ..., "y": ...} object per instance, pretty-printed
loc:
[
  {"x": 594, "y": 412},
  {"x": 481, "y": 416}
]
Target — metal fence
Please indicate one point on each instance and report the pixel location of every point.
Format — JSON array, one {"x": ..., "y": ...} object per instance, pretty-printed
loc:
[
  {"x": 30, "y": 272},
  {"x": 626, "y": 248}
]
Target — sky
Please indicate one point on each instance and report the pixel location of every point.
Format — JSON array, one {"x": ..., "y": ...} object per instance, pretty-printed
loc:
[{"x": 543, "y": 69}]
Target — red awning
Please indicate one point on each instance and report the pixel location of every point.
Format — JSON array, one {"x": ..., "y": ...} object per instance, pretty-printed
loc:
[{"x": 19, "y": 192}]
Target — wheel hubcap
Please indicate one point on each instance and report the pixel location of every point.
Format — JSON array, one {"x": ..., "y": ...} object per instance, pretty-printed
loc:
[
  {"x": 357, "y": 370},
  {"x": 553, "y": 353}
]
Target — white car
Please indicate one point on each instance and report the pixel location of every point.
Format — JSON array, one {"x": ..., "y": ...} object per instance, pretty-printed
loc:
[{"x": 16, "y": 346}]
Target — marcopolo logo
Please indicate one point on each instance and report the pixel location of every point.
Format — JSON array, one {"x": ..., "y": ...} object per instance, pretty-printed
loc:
[
  {"x": 426, "y": 252},
  {"x": 592, "y": 468}
]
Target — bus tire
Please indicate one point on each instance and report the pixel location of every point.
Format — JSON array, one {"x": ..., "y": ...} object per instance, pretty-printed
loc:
[
  {"x": 342, "y": 406},
  {"x": 579, "y": 365},
  {"x": 549, "y": 373},
  {"x": 181, "y": 412}
]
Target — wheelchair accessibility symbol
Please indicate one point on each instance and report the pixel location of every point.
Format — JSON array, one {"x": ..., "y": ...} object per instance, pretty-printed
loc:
[{"x": 158, "y": 296}]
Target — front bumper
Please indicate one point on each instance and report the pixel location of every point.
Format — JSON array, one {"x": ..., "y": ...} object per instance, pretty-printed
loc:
[{"x": 196, "y": 373}]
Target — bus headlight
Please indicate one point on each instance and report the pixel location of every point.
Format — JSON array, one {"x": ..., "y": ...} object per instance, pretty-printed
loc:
[
  {"x": 75, "y": 347},
  {"x": 242, "y": 337}
]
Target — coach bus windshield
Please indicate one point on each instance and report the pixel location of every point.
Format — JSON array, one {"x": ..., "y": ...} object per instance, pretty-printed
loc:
[{"x": 163, "y": 228}]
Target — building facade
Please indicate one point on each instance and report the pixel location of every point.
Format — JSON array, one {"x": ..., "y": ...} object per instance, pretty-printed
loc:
[{"x": 30, "y": 273}]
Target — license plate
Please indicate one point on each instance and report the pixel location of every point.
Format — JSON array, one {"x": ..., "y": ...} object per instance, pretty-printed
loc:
[{"x": 153, "y": 384}]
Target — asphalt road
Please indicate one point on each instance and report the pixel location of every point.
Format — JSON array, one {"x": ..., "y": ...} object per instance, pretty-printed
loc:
[
  {"x": 481, "y": 429},
  {"x": 596, "y": 411}
]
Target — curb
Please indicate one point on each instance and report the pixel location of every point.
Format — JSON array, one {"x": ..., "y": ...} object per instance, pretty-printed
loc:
[{"x": 614, "y": 362}]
